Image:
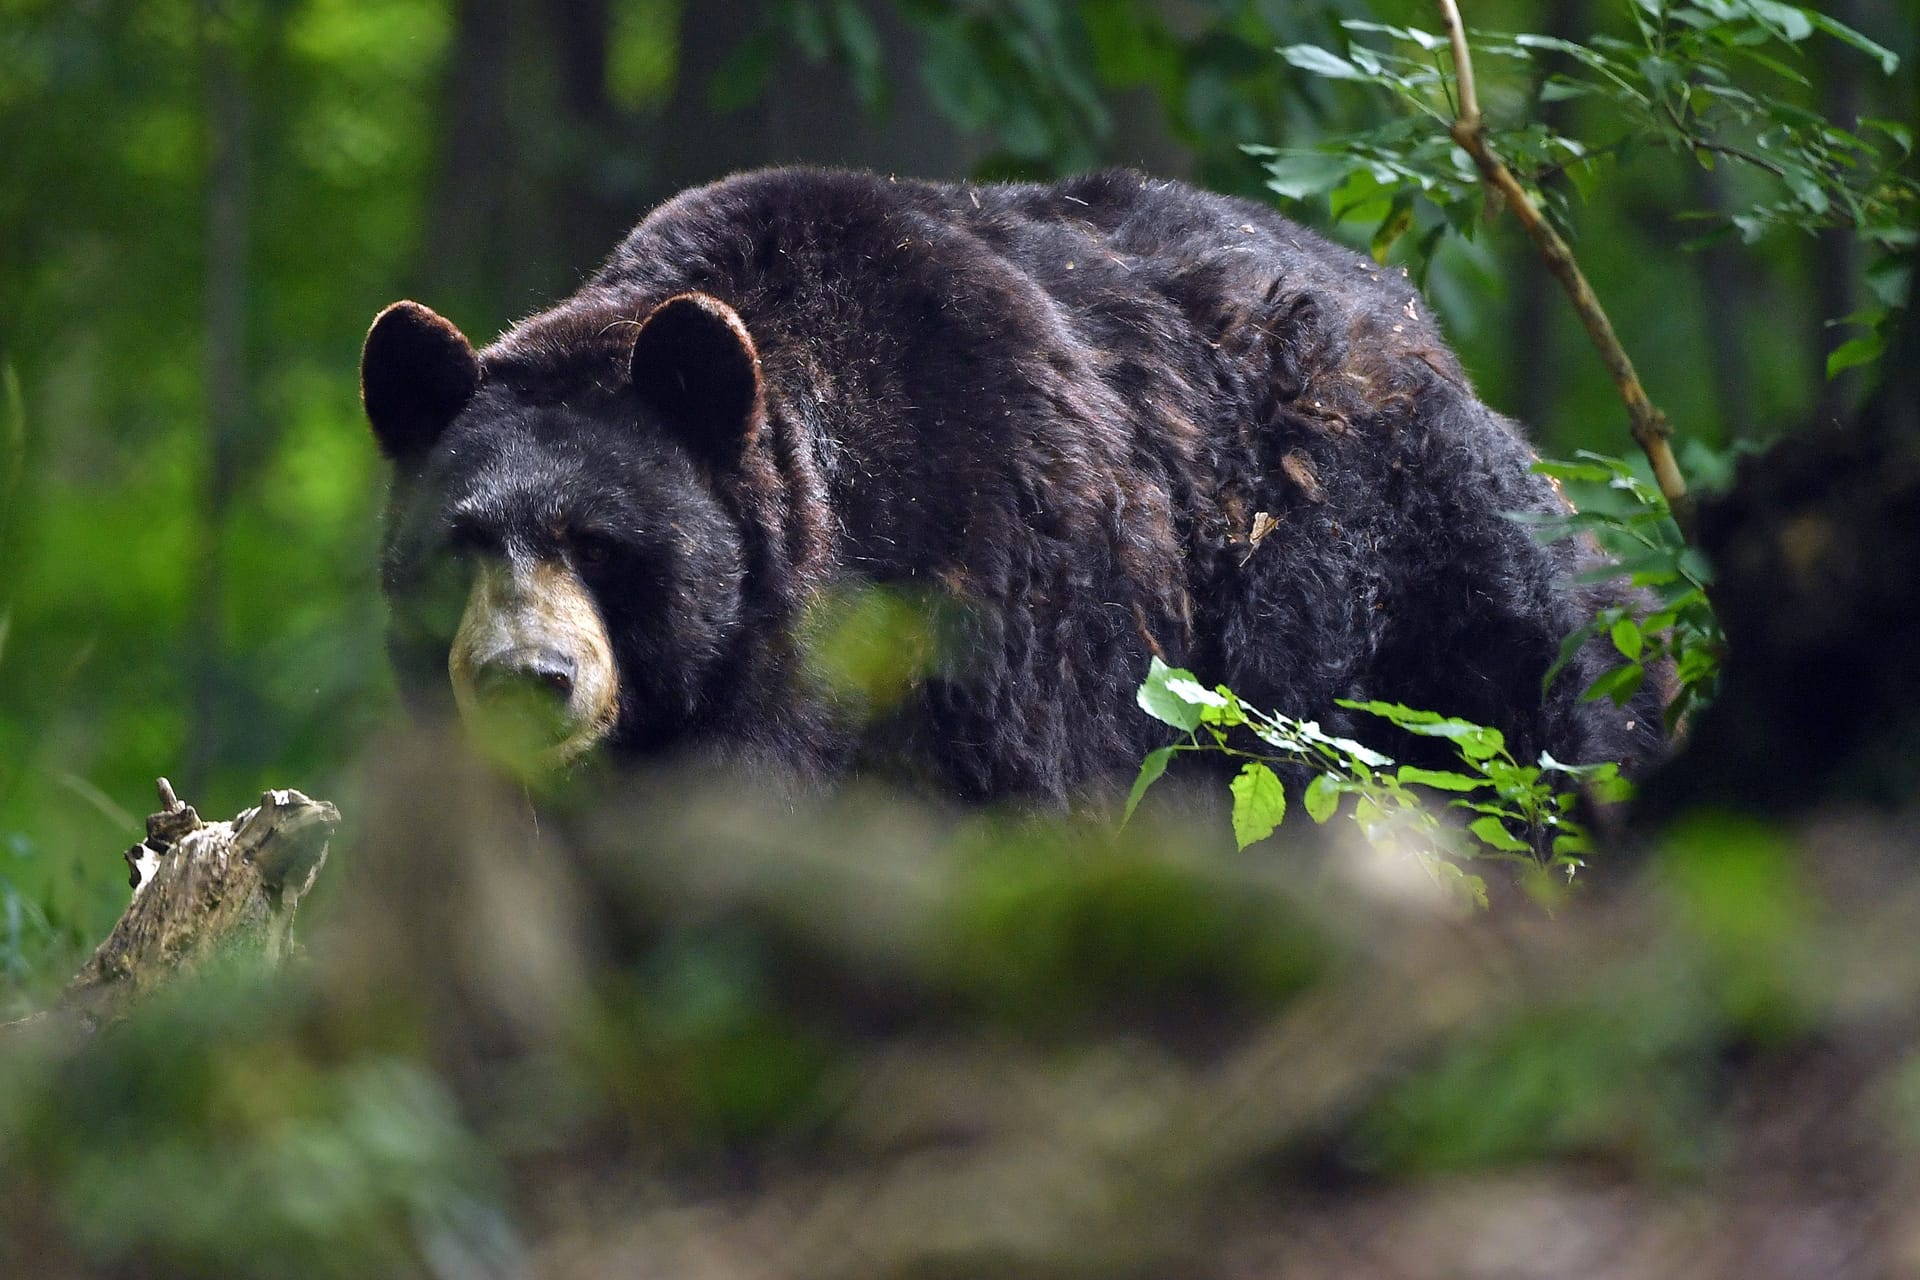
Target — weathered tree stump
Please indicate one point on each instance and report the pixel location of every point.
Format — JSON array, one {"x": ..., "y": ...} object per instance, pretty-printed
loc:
[{"x": 201, "y": 888}]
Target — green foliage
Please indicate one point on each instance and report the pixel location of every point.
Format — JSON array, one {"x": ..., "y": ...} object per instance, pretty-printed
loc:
[
  {"x": 1681, "y": 634},
  {"x": 1717, "y": 81},
  {"x": 1628, "y": 1065},
  {"x": 826, "y": 32},
  {"x": 1393, "y": 805},
  {"x": 117, "y": 567},
  {"x": 695, "y": 1047},
  {"x": 1056, "y": 927},
  {"x": 1057, "y": 88},
  {"x": 1629, "y": 1074},
  {"x": 227, "y": 1150},
  {"x": 867, "y": 647}
]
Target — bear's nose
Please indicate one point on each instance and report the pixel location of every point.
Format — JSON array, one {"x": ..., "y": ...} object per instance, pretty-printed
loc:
[{"x": 522, "y": 670}]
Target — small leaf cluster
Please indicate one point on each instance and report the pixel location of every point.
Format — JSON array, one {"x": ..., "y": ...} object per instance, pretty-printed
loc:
[
  {"x": 1404, "y": 176},
  {"x": 826, "y": 32},
  {"x": 1684, "y": 82},
  {"x": 1389, "y": 802},
  {"x": 1649, "y": 550},
  {"x": 1020, "y": 72}
]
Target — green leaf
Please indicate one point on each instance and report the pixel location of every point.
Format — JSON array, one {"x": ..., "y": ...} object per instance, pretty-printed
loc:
[
  {"x": 1889, "y": 60},
  {"x": 1610, "y": 788},
  {"x": 1662, "y": 75},
  {"x": 1855, "y": 351},
  {"x": 1806, "y": 188},
  {"x": 1900, "y": 134},
  {"x": 1560, "y": 89},
  {"x": 1217, "y": 706},
  {"x": 1474, "y": 741},
  {"x": 1579, "y": 472},
  {"x": 1354, "y": 751},
  {"x": 808, "y": 27},
  {"x": 1396, "y": 224},
  {"x": 1322, "y": 797},
  {"x": 744, "y": 74},
  {"x": 1311, "y": 57},
  {"x": 1164, "y": 705},
  {"x": 1150, "y": 770},
  {"x": 1491, "y": 831},
  {"x": 1296, "y": 175},
  {"x": 861, "y": 44},
  {"x": 1620, "y": 684},
  {"x": 1572, "y": 843},
  {"x": 13, "y": 431},
  {"x": 1627, "y": 638},
  {"x": 1789, "y": 22},
  {"x": 1470, "y": 889},
  {"x": 1438, "y": 779},
  {"x": 1695, "y": 565},
  {"x": 1395, "y": 713},
  {"x": 1413, "y": 35},
  {"x": 1569, "y": 647},
  {"x": 1259, "y": 803}
]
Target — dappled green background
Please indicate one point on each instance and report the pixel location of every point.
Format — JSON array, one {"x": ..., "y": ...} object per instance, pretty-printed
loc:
[
  {"x": 204, "y": 203},
  {"x": 700, "y": 1034}
]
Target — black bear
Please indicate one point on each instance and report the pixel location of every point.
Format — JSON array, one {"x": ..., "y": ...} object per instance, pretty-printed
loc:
[{"x": 1104, "y": 419}]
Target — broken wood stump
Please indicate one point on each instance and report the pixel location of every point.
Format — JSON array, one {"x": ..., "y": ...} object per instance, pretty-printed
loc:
[{"x": 199, "y": 889}]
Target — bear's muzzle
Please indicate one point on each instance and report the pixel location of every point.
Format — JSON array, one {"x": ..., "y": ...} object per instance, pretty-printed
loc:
[{"x": 532, "y": 666}]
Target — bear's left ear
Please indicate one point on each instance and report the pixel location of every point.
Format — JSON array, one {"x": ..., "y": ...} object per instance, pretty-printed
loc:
[
  {"x": 417, "y": 373},
  {"x": 694, "y": 362}
]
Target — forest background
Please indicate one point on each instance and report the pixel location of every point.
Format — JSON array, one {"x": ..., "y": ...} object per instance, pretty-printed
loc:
[
  {"x": 870, "y": 1039},
  {"x": 201, "y": 205}
]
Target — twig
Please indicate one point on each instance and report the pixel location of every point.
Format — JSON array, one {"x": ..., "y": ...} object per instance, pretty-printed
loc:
[
  {"x": 1469, "y": 110},
  {"x": 1651, "y": 430},
  {"x": 1721, "y": 148}
]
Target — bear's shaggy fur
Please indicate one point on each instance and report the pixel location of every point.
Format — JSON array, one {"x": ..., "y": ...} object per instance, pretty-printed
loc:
[{"x": 1069, "y": 409}]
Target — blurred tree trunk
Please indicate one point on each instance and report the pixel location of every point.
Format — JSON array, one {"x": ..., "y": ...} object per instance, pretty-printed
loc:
[
  {"x": 482, "y": 243},
  {"x": 541, "y": 171},
  {"x": 1726, "y": 306},
  {"x": 1539, "y": 311},
  {"x": 1836, "y": 254},
  {"x": 520, "y": 206},
  {"x": 229, "y": 201},
  {"x": 1816, "y": 549},
  {"x": 806, "y": 114}
]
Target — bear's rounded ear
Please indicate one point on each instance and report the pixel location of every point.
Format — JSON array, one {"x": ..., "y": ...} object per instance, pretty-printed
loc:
[
  {"x": 694, "y": 362},
  {"x": 417, "y": 373}
]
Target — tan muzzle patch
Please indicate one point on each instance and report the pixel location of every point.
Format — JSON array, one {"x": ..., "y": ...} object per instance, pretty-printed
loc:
[{"x": 536, "y": 629}]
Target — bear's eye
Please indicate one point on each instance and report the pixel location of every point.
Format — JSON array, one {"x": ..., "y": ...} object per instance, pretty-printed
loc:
[
  {"x": 592, "y": 550},
  {"x": 467, "y": 538}
]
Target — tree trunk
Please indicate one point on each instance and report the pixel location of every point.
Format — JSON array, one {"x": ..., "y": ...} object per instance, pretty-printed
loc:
[{"x": 229, "y": 199}]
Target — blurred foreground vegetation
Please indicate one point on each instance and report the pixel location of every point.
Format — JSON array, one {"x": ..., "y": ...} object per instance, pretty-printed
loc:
[{"x": 703, "y": 1037}]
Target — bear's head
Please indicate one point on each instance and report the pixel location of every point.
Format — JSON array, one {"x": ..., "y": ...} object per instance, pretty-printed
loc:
[{"x": 559, "y": 551}]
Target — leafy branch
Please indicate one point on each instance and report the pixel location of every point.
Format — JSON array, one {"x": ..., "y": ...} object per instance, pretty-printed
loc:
[
  {"x": 1682, "y": 84},
  {"x": 1651, "y": 430},
  {"x": 1390, "y": 802},
  {"x": 1630, "y": 519}
]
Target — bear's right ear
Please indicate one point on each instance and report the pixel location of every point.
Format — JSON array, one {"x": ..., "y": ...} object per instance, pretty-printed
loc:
[
  {"x": 417, "y": 373},
  {"x": 695, "y": 363}
]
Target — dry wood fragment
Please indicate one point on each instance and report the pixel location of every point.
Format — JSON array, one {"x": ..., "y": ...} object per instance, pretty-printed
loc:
[{"x": 201, "y": 888}]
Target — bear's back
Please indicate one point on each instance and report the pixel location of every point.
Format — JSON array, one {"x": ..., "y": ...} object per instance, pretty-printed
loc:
[{"x": 1114, "y": 417}]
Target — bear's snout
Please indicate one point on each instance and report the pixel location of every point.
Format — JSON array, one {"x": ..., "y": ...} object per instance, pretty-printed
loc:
[
  {"x": 546, "y": 671},
  {"x": 531, "y": 665}
]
